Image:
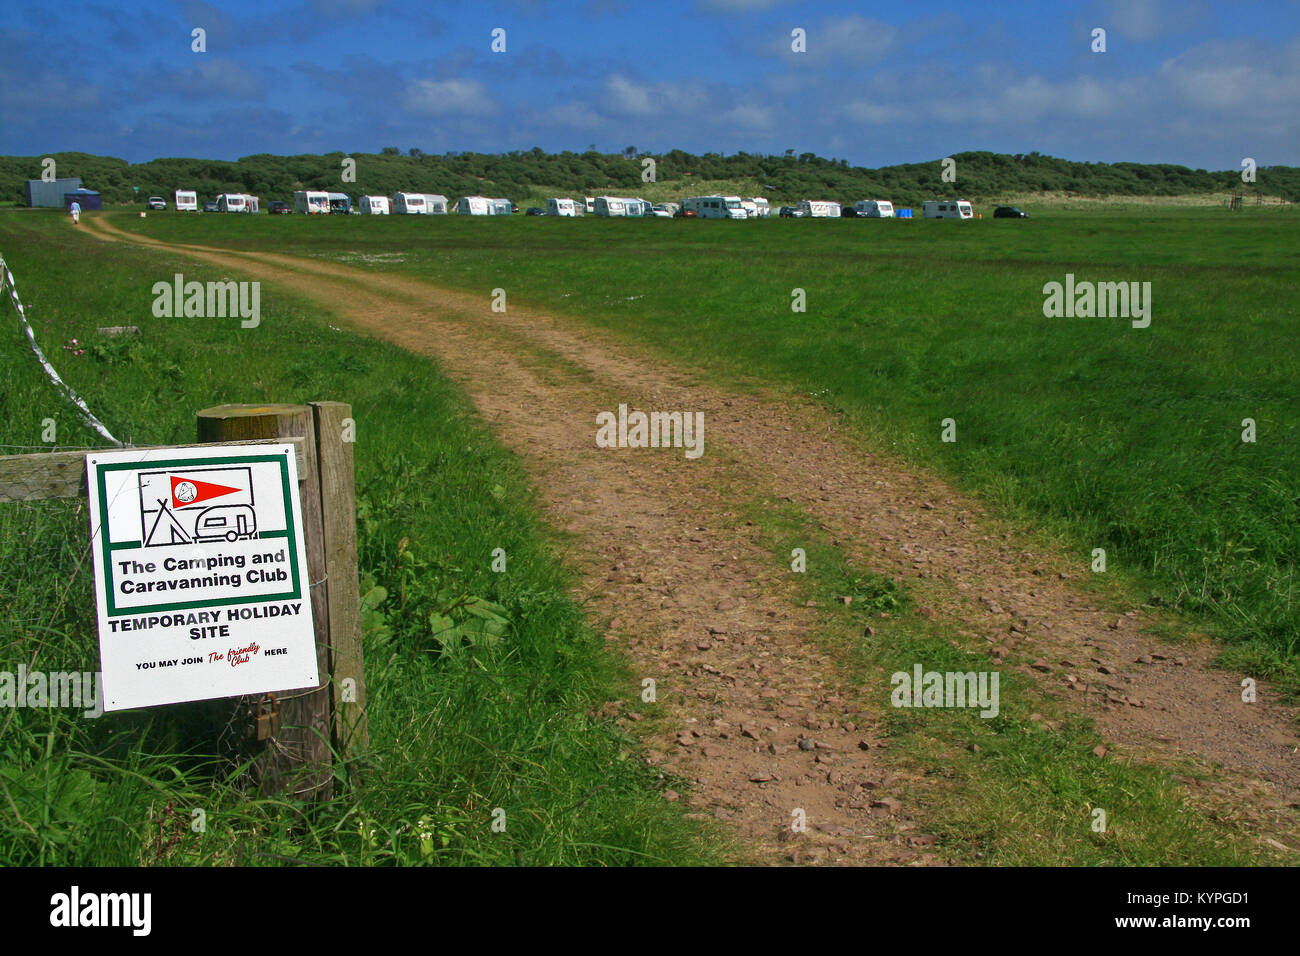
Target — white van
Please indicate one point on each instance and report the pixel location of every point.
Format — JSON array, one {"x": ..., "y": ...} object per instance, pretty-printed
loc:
[
  {"x": 373, "y": 206},
  {"x": 187, "y": 200},
  {"x": 311, "y": 202},
  {"x": 715, "y": 207},
  {"x": 947, "y": 209},
  {"x": 816, "y": 209},
  {"x": 474, "y": 206},
  {"x": 874, "y": 208},
  {"x": 560, "y": 207}
]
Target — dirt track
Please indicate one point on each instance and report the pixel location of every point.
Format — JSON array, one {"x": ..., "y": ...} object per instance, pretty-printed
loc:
[{"x": 704, "y": 609}]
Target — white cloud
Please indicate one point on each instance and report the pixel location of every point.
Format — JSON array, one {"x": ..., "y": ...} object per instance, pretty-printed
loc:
[
  {"x": 875, "y": 114},
  {"x": 442, "y": 97},
  {"x": 750, "y": 117},
  {"x": 626, "y": 96}
]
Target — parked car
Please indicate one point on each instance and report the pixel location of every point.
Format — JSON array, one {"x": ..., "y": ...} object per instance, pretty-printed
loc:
[
  {"x": 1009, "y": 212},
  {"x": 156, "y": 202},
  {"x": 790, "y": 212},
  {"x": 278, "y": 207},
  {"x": 534, "y": 211},
  {"x": 209, "y": 207}
]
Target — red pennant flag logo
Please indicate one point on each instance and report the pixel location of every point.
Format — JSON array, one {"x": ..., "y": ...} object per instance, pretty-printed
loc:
[{"x": 191, "y": 491}]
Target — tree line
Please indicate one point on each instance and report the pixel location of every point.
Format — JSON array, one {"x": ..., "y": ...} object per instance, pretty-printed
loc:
[{"x": 784, "y": 178}]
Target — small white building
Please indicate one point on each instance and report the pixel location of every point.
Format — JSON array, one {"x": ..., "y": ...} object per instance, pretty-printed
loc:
[
  {"x": 874, "y": 208},
  {"x": 947, "y": 209},
  {"x": 373, "y": 206},
  {"x": 187, "y": 200},
  {"x": 818, "y": 209}
]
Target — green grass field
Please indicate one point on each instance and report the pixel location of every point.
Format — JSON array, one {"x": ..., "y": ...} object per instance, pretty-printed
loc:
[
  {"x": 1105, "y": 435},
  {"x": 1120, "y": 438},
  {"x": 457, "y": 731}
]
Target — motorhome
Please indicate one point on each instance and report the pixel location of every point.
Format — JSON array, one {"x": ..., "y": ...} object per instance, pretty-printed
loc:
[
  {"x": 474, "y": 206},
  {"x": 311, "y": 202},
  {"x": 340, "y": 203},
  {"x": 875, "y": 208},
  {"x": 373, "y": 206},
  {"x": 187, "y": 200},
  {"x": 947, "y": 209},
  {"x": 560, "y": 207},
  {"x": 715, "y": 207},
  {"x": 815, "y": 209}
]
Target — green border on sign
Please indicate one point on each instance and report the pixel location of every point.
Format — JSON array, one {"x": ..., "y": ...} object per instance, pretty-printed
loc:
[{"x": 295, "y": 592}]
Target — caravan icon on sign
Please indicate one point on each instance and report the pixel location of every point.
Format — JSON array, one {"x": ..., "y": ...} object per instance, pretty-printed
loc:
[{"x": 196, "y": 505}]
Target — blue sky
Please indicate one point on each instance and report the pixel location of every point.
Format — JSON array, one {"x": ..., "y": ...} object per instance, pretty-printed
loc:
[{"x": 1184, "y": 81}]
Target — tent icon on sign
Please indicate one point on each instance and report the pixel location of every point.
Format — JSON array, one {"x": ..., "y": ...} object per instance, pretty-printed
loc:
[{"x": 202, "y": 504}]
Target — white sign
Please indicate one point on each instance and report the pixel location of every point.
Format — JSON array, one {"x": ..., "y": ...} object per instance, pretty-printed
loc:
[{"x": 200, "y": 574}]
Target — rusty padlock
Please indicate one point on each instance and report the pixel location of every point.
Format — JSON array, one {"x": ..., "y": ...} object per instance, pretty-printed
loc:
[{"x": 267, "y": 717}]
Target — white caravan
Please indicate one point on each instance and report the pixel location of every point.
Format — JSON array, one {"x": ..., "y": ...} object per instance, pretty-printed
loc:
[
  {"x": 874, "y": 208},
  {"x": 236, "y": 202},
  {"x": 410, "y": 204},
  {"x": 419, "y": 204},
  {"x": 715, "y": 207},
  {"x": 948, "y": 209},
  {"x": 763, "y": 209},
  {"x": 560, "y": 207},
  {"x": 612, "y": 206},
  {"x": 815, "y": 209},
  {"x": 311, "y": 202},
  {"x": 187, "y": 200},
  {"x": 474, "y": 206},
  {"x": 373, "y": 206}
]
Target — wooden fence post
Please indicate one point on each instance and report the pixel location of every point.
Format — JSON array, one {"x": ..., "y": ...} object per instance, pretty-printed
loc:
[
  {"x": 299, "y": 752},
  {"x": 334, "y": 438}
]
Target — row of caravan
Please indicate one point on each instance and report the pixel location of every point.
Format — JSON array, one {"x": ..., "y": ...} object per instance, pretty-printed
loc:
[
  {"x": 399, "y": 204},
  {"x": 187, "y": 200},
  {"x": 883, "y": 209}
]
